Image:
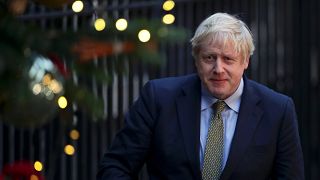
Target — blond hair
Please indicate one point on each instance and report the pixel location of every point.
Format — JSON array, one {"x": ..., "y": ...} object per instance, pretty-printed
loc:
[{"x": 222, "y": 27}]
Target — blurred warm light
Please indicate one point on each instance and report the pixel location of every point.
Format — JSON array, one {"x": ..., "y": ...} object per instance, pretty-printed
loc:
[
  {"x": 55, "y": 86},
  {"x": 168, "y": 5},
  {"x": 168, "y": 19},
  {"x": 62, "y": 102},
  {"x": 77, "y": 6},
  {"x": 16, "y": 7},
  {"x": 144, "y": 35},
  {"x": 100, "y": 24},
  {"x": 38, "y": 166},
  {"x": 121, "y": 24},
  {"x": 69, "y": 149},
  {"x": 36, "y": 89},
  {"x": 74, "y": 134},
  {"x": 34, "y": 177},
  {"x": 46, "y": 79}
]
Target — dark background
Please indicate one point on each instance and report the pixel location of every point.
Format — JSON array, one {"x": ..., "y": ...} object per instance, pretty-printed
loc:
[{"x": 286, "y": 35}]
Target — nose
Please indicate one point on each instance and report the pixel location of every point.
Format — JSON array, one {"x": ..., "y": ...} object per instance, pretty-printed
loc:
[{"x": 218, "y": 66}]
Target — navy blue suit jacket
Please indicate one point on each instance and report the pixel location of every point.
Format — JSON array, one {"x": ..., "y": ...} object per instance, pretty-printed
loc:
[{"x": 162, "y": 129}]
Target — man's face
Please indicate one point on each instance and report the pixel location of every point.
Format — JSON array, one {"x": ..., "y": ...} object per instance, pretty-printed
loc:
[{"x": 220, "y": 68}]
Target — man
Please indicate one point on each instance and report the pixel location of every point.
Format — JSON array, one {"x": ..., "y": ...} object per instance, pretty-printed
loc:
[{"x": 172, "y": 127}]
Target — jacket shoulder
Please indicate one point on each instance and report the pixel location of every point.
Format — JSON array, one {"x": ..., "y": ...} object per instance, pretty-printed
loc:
[
  {"x": 174, "y": 83},
  {"x": 267, "y": 94}
]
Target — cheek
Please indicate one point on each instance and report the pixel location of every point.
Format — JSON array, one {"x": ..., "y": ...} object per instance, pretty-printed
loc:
[
  {"x": 205, "y": 72},
  {"x": 204, "y": 69},
  {"x": 237, "y": 75}
]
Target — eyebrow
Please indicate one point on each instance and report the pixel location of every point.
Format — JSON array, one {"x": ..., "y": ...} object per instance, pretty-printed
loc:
[
  {"x": 229, "y": 55},
  {"x": 215, "y": 53},
  {"x": 233, "y": 55}
]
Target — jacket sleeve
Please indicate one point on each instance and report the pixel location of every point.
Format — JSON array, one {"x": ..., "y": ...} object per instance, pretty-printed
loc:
[
  {"x": 289, "y": 158},
  {"x": 131, "y": 145}
]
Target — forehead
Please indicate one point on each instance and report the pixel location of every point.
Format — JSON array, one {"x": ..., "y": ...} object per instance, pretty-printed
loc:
[{"x": 225, "y": 46}]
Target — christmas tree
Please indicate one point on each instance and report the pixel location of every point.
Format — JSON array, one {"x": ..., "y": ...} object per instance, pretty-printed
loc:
[{"x": 37, "y": 66}]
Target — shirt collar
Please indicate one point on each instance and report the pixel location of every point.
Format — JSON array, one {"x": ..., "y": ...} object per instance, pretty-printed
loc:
[{"x": 233, "y": 101}]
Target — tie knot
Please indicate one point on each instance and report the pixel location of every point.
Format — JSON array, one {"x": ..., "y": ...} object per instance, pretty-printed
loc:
[{"x": 219, "y": 106}]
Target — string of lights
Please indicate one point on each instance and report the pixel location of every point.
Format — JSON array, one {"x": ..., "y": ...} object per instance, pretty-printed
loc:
[
  {"x": 121, "y": 24},
  {"x": 88, "y": 9}
]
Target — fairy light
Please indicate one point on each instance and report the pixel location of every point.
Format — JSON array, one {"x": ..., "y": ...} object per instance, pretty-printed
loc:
[
  {"x": 74, "y": 134},
  {"x": 168, "y": 19},
  {"x": 100, "y": 24},
  {"x": 77, "y": 6},
  {"x": 36, "y": 89},
  {"x": 168, "y": 5},
  {"x": 121, "y": 24},
  {"x": 34, "y": 177},
  {"x": 69, "y": 150},
  {"x": 144, "y": 35},
  {"x": 38, "y": 166},
  {"x": 46, "y": 79},
  {"x": 55, "y": 86},
  {"x": 62, "y": 102}
]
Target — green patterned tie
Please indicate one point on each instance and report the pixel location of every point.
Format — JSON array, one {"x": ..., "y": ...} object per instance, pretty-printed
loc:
[{"x": 212, "y": 165}]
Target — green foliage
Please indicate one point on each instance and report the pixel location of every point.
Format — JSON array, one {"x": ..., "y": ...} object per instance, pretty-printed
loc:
[{"x": 71, "y": 53}]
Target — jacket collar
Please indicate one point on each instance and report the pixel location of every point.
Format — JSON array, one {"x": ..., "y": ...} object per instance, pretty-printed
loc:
[
  {"x": 188, "y": 110},
  {"x": 249, "y": 116}
]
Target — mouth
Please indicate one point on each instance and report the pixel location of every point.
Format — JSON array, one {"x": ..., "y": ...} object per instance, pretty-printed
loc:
[{"x": 217, "y": 81}]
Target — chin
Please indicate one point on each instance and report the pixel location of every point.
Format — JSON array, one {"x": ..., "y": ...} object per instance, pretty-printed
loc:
[{"x": 218, "y": 94}]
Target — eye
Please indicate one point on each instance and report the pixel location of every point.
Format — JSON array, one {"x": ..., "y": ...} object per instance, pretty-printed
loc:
[
  {"x": 229, "y": 59},
  {"x": 208, "y": 58}
]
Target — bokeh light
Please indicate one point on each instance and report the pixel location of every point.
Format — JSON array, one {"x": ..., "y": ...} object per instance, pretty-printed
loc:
[
  {"x": 77, "y": 6},
  {"x": 100, "y": 24},
  {"x": 74, "y": 134},
  {"x": 36, "y": 89},
  {"x": 168, "y": 5},
  {"x": 46, "y": 79},
  {"x": 62, "y": 102},
  {"x": 144, "y": 35},
  {"x": 121, "y": 24},
  {"x": 55, "y": 86},
  {"x": 69, "y": 149},
  {"x": 34, "y": 177},
  {"x": 168, "y": 19},
  {"x": 38, "y": 166}
]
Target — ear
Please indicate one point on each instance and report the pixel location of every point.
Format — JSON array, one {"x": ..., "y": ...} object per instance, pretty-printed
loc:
[{"x": 246, "y": 62}]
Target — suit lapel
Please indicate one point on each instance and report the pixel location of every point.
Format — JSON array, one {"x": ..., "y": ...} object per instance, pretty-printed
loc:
[
  {"x": 248, "y": 119},
  {"x": 188, "y": 110}
]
